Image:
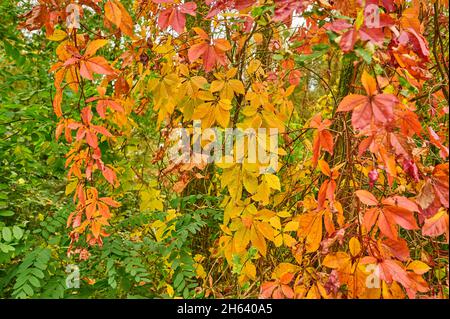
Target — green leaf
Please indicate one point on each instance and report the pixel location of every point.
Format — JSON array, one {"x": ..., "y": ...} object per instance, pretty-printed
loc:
[
  {"x": 186, "y": 293},
  {"x": 306, "y": 57},
  {"x": 277, "y": 57},
  {"x": 178, "y": 279},
  {"x": 17, "y": 232},
  {"x": 38, "y": 273},
  {"x": 28, "y": 290},
  {"x": 34, "y": 281},
  {"x": 6, "y": 213},
  {"x": 6, "y": 248},
  {"x": 365, "y": 55},
  {"x": 320, "y": 47},
  {"x": 6, "y": 234}
]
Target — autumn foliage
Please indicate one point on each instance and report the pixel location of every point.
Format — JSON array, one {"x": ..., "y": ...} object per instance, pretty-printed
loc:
[{"x": 358, "y": 90}]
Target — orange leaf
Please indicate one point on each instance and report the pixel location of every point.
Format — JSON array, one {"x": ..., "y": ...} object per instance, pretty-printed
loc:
[
  {"x": 197, "y": 50},
  {"x": 387, "y": 226},
  {"x": 418, "y": 267},
  {"x": 401, "y": 216},
  {"x": 368, "y": 83},
  {"x": 113, "y": 12},
  {"x": 99, "y": 65},
  {"x": 366, "y": 197},
  {"x": 351, "y": 102},
  {"x": 436, "y": 225},
  {"x": 57, "y": 99},
  {"x": 324, "y": 168},
  {"x": 93, "y": 46},
  {"x": 222, "y": 45},
  {"x": 370, "y": 217}
]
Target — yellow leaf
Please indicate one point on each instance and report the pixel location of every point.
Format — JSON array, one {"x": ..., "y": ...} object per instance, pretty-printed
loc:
[
  {"x": 275, "y": 222},
  {"x": 258, "y": 241},
  {"x": 359, "y": 19},
  {"x": 202, "y": 110},
  {"x": 254, "y": 66},
  {"x": 231, "y": 211},
  {"x": 249, "y": 270},
  {"x": 313, "y": 293},
  {"x": 278, "y": 239},
  {"x": 57, "y": 35},
  {"x": 324, "y": 168},
  {"x": 272, "y": 121},
  {"x": 265, "y": 229},
  {"x": 206, "y": 96},
  {"x": 314, "y": 236},
  {"x": 216, "y": 86},
  {"x": 291, "y": 226},
  {"x": 284, "y": 268},
  {"x": 200, "y": 271},
  {"x": 290, "y": 90},
  {"x": 418, "y": 267},
  {"x": 284, "y": 214},
  {"x": 262, "y": 194},
  {"x": 289, "y": 240},
  {"x": 199, "y": 81},
  {"x": 231, "y": 73},
  {"x": 222, "y": 116},
  {"x": 225, "y": 104},
  {"x": 250, "y": 182},
  {"x": 355, "y": 246},
  {"x": 71, "y": 186},
  {"x": 310, "y": 226},
  {"x": 237, "y": 86},
  {"x": 273, "y": 181},
  {"x": 231, "y": 178},
  {"x": 241, "y": 238},
  {"x": 171, "y": 214}
]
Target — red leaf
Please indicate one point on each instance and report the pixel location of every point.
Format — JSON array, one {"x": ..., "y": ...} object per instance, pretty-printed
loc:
[
  {"x": 374, "y": 35},
  {"x": 348, "y": 40},
  {"x": 189, "y": 8},
  {"x": 85, "y": 71},
  {"x": 338, "y": 25},
  {"x": 379, "y": 108},
  {"x": 383, "y": 107},
  {"x": 294, "y": 77}
]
